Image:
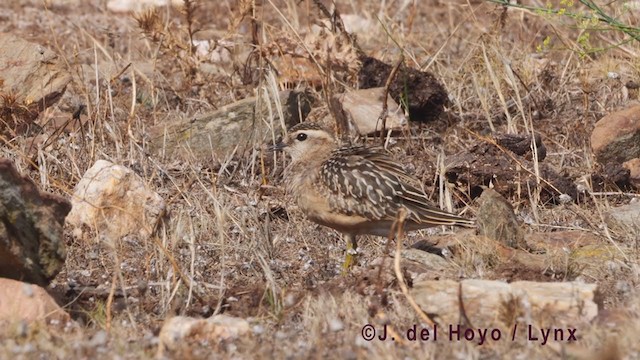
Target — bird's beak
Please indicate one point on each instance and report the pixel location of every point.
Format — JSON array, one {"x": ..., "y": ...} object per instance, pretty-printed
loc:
[{"x": 277, "y": 147}]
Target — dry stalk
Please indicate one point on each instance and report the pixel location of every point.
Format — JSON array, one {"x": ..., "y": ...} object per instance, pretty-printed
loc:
[
  {"x": 177, "y": 269},
  {"x": 496, "y": 83},
  {"x": 189, "y": 9},
  {"x": 398, "y": 224},
  {"x": 385, "y": 108}
]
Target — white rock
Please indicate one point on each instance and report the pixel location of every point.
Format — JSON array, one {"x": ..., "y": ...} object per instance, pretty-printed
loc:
[
  {"x": 113, "y": 200},
  {"x": 356, "y": 24},
  {"x": 99, "y": 339},
  {"x": 258, "y": 329},
  {"x": 564, "y": 302},
  {"x": 139, "y": 5},
  {"x": 214, "y": 329},
  {"x": 363, "y": 107},
  {"x": 565, "y": 198},
  {"x": 336, "y": 325}
]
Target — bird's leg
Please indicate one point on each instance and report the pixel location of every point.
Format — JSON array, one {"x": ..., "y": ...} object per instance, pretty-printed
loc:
[{"x": 350, "y": 255}]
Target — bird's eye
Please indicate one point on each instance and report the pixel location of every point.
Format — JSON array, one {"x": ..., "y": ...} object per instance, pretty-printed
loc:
[{"x": 301, "y": 137}]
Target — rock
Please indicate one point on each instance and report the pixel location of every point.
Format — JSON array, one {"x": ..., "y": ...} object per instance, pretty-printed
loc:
[
  {"x": 431, "y": 261},
  {"x": 357, "y": 24},
  {"x": 335, "y": 325},
  {"x": 426, "y": 97},
  {"x": 362, "y": 109},
  {"x": 431, "y": 248},
  {"x": 29, "y": 303},
  {"x": 236, "y": 127},
  {"x": 616, "y": 137},
  {"x": 114, "y": 201},
  {"x": 561, "y": 253},
  {"x": 99, "y": 339},
  {"x": 569, "y": 239},
  {"x": 31, "y": 240},
  {"x": 414, "y": 263},
  {"x": 510, "y": 263},
  {"x": 181, "y": 330},
  {"x": 33, "y": 75},
  {"x": 54, "y": 3},
  {"x": 626, "y": 216},
  {"x": 497, "y": 221},
  {"x": 139, "y": 5},
  {"x": 633, "y": 166},
  {"x": 496, "y": 304}
]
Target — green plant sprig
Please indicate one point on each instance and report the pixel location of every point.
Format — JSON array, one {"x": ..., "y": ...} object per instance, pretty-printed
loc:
[{"x": 597, "y": 15}]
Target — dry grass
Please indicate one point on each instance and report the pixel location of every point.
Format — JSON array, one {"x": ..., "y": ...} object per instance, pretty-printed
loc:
[{"x": 227, "y": 246}]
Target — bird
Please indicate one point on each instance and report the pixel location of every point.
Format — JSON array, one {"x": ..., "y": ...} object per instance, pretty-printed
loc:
[{"x": 355, "y": 190}]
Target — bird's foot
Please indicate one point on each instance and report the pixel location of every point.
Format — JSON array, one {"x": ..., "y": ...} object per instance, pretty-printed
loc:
[{"x": 350, "y": 259}]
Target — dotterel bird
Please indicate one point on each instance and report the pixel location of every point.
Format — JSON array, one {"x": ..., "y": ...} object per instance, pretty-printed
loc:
[{"x": 355, "y": 190}]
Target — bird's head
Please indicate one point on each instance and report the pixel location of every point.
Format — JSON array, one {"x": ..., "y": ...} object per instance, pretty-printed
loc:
[{"x": 306, "y": 140}]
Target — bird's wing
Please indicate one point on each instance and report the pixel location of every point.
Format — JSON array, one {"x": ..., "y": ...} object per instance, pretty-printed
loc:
[
  {"x": 379, "y": 157},
  {"x": 366, "y": 182}
]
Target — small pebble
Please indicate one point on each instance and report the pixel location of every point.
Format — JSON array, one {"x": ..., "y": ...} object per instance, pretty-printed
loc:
[
  {"x": 258, "y": 329},
  {"x": 565, "y": 199},
  {"x": 336, "y": 325},
  {"x": 290, "y": 300},
  {"x": 99, "y": 339}
]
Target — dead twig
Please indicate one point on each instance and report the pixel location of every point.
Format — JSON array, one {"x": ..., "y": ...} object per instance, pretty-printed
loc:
[
  {"x": 177, "y": 270},
  {"x": 385, "y": 108},
  {"x": 110, "y": 301},
  {"x": 463, "y": 311},
  {"x": 399, "y": 226}
]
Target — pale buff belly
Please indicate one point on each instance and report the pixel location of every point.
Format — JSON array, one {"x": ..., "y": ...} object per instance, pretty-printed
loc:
[{"x": 317, "y": 210}]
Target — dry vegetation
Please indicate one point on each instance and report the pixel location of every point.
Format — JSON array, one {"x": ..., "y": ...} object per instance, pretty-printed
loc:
[{"x": 228, "y": 245}]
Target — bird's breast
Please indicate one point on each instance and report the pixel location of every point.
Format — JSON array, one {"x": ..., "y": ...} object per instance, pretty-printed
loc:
[{"x": 317, "y": 209}]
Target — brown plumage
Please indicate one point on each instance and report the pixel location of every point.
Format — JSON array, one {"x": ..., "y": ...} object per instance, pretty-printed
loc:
[{"x": 355, "y": 190}]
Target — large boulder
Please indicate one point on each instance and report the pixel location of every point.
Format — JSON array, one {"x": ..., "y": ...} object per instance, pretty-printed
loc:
[
  {"x": 488, "y": 304},
  {"x": 31, "y": 240}
]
